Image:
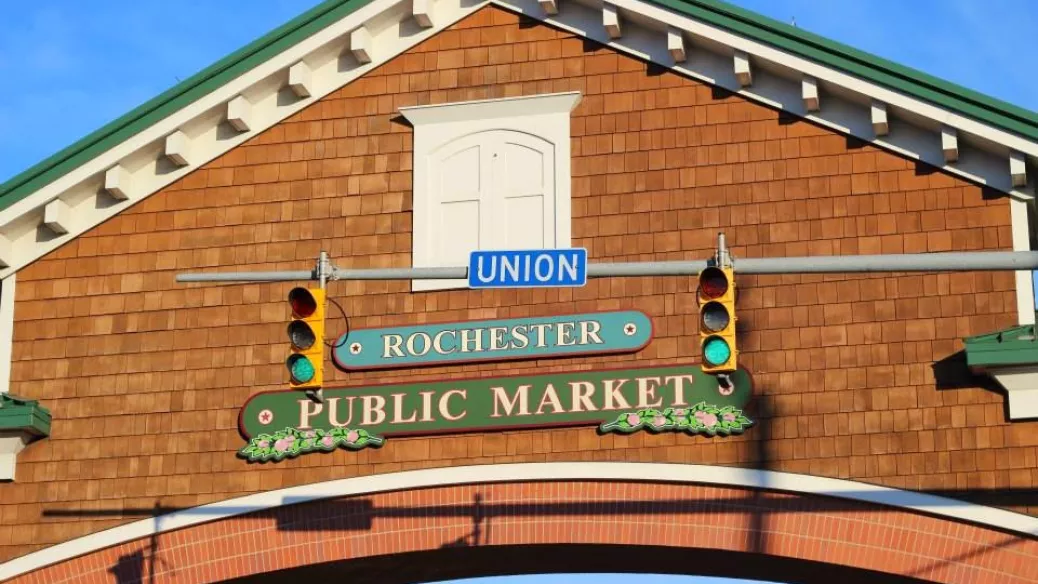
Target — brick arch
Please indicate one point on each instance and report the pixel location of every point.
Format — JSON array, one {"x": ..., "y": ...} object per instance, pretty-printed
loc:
[{"x": 834, "y": 531}]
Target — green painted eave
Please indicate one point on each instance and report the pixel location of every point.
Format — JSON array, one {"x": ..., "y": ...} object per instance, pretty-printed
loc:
[
  {"x": 742, "y": 22},
  {"x": 1009, "y": 347},
  {"x": 18, "y": 414}
]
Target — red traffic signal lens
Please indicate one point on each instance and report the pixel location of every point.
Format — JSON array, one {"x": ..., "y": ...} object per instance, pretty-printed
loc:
[
  {"x": 714, "y": 317},
  {"x": 713, "y": 282},
  {"x": 303, "y": 302},
  {"x": 301, "y": 335}
]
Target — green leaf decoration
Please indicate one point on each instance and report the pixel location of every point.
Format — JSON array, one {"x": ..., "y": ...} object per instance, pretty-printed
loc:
[
  {"x": 291, "y": 442},
  {"x": 701, "y": 418}
]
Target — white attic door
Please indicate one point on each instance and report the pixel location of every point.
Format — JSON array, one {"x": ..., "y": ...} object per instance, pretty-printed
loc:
[
  {"x": 489, "y": 174},
  {"x": 491, "y": 190}
]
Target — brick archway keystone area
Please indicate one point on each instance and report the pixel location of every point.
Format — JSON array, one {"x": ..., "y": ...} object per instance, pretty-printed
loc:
[{"x": 516, "y": 518}]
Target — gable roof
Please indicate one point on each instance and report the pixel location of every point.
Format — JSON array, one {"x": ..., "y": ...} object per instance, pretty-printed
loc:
[{"x": 956, "y": 117}]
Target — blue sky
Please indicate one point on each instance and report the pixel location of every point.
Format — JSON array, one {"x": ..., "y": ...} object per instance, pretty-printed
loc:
[{"x": 68, "y": 67}]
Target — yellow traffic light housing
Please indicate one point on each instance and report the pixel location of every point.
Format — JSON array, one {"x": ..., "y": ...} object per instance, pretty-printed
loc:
[
  {"x": 717, "y": 320},
  {"x": 306, "y": 333}
]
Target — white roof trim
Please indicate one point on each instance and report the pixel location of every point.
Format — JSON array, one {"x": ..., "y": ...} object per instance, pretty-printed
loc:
[
  {"x": 549, "y": 471},
  {"x": 378, "y": 32}
]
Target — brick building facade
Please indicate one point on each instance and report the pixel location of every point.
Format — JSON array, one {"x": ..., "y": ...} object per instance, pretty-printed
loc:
[{"x": 859, "y": 377}]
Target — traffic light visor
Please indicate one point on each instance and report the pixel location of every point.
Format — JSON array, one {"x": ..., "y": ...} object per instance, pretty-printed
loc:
[
  {"x": 716, "y": 351},
  {"x": 301, "y": 369},
  {"x": 301, "y": 335},
  {"x": 303, "y": 302},
  {"x": 713, "y": 282},
  {"x": 715, "y": 317}
]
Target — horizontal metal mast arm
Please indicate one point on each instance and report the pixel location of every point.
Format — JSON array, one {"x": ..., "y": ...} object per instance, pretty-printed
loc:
[
  {"x": 248, "y": 276},
  {"x": 923, "y": 262}
]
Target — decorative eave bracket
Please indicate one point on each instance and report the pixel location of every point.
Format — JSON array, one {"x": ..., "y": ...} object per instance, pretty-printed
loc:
[{"x": 22, "y": 421}]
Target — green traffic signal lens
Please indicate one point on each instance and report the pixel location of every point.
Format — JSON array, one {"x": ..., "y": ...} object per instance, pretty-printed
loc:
[
  {"x": 301, "y": 369},
  {"x": 715, "y": 317},
  {"x": 301, "y": 335},
  {"x": 716, "y": 351}
]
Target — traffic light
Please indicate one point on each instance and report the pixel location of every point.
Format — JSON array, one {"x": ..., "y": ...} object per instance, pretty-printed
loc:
[
  {"x": 306, "y": 333},
  {"x": 717, "y": 320}
]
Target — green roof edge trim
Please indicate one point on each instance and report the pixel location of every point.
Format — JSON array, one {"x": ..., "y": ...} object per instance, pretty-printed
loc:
[
  {"x": 737, "y": 20},
  {"x": 20, "y": 414},
  {"x": 175, "y": 98},
  {"x": 1008, "y": 347},
  {"x": 861, "y": 64}
]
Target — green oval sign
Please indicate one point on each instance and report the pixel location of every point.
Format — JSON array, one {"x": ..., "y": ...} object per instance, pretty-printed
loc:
[{"x": 493, "y": 340}]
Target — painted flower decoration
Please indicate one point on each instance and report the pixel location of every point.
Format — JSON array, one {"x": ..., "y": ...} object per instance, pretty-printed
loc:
[
  {"x": 291, "y": 442},
  {"x": 701, "y": 418}
]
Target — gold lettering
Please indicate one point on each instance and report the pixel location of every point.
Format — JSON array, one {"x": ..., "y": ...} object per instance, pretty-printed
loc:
[
  {"x": 550, "y": 395},
  {"x": 582, "y": 392},
  {"x": 521, "y": 397}
]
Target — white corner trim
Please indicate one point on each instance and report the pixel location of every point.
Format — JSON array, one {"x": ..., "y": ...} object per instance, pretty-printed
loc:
[
  {"x": 1021, "y": 385},
  {"x": 491, "y": 109},
  {"x": 7, "y": 286},
  {"x": 11, "y": 443},
  {"x": 626, "y": 472},
  {"x": 1021, "y": 230}
]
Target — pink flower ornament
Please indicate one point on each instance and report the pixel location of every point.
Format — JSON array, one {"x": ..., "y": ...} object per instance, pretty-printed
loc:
[
  {"x": 633, "y": 419},
  {"x": 659, "y": 421},
  {"x": 699, "y": 415},
  {"x": 264, "y": 443},
  {"x": 679, "y": 413},
  {"x": 709, "y": 420},
  {"x": 311, "y": 434},
  {"x": 352, "y": 436},
  {"x": 283, "y": 444},
  {"x": 327, "y": 441},
  {"x": 728, "y": 417}
]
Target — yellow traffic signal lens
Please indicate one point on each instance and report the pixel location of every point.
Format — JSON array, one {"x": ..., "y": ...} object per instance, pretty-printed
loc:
[
  {"x": 713, "y": 282},
  {"x": 301, "y": 369},
  {"x": 715, "y": 317},
  {"x": 301, "y": 335},
  {"x": 716, "y": 351},
  {"x": 303, "y": 303}
]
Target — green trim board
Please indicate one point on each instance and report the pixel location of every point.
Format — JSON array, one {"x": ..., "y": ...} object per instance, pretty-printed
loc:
[
  {"x": 1012, "y": 346},
  {"x": 25, "y": 415},
  {"x": 715, "y": 12},
  {"x": 454, "y": 343},
  {"x": 681, "y": 398}
]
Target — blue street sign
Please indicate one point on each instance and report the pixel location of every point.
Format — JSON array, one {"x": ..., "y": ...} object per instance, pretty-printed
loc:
[{"x": 534, "y": 268}]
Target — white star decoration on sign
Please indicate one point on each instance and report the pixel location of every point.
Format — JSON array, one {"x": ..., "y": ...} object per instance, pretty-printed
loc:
[
  {"x": 355, "y": 349},
  {"x": 265, "y": 417},
  {"x": 630, "y": 329}
]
